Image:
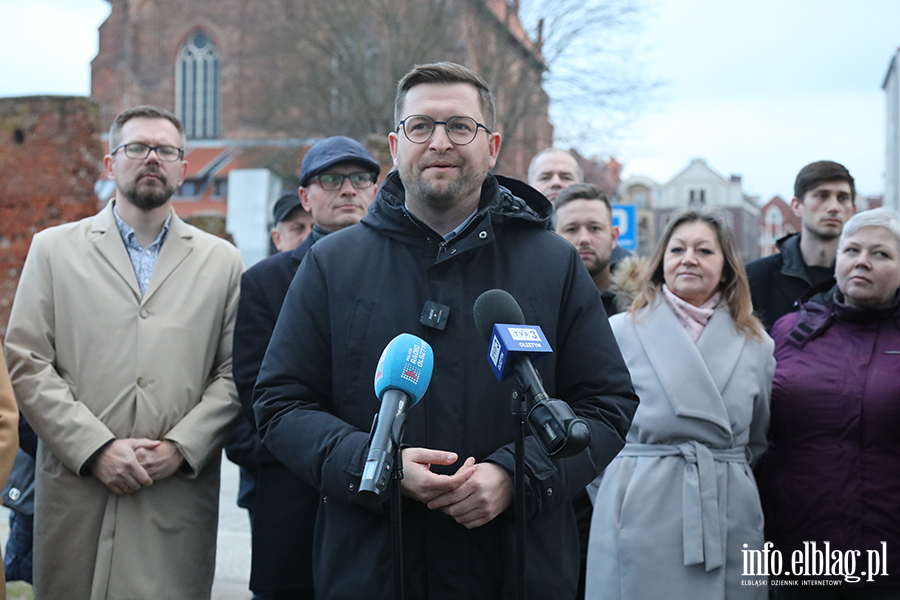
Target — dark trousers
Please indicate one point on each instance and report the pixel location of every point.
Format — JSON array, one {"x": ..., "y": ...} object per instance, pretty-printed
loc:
[{"x": 17, "y": 561}]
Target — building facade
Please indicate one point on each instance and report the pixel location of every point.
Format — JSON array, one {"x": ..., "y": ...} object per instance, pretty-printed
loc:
[
  {"x": 776, "y": 220},
  {"x": 278, "y": 73},
  {"x": 698, "y": 185},
  {"x": 640, "y": 190}
]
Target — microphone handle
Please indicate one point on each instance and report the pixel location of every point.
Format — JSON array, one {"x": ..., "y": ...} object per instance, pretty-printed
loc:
[
  {"x": 530, "y": 379},
  {"x": 560, "y": 433},
  {"x": 380, "y": 459}
]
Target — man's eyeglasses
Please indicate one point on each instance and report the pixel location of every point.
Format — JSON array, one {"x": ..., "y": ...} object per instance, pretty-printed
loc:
[
  {"x": 139, "y": 151},
  {"x": 335, "y": 181},
  {"x": 461, "y": 130}
]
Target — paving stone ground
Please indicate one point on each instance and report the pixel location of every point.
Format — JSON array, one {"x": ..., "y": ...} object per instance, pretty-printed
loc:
[{"x": 232, "y": 555}]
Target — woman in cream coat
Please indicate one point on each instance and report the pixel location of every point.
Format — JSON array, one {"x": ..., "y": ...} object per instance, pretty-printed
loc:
[
  {"x": 675, "y": 510},
  {"x": 9, "y": 438}
]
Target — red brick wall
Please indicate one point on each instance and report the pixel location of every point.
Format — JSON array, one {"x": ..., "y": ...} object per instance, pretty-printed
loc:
[{"x": 50, "y": 158}]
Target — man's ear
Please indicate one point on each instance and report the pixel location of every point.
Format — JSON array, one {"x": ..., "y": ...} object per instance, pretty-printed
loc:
[
  {"x": 108, "y": 163},
  {"x": 393, "y": 142},
  {"x": 493, "y": 148},
  {"x": 304, "y": 199},
  {"x": 795, "y": 206}
]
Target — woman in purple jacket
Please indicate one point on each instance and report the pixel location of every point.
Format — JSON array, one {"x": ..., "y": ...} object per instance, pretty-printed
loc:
[{"x": 830, "y": 480}]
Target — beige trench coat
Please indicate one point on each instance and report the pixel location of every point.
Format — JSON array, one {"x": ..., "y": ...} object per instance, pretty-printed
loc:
[
  {"x": 92, "y": 361},
  {"x": 9, "y": 438}
]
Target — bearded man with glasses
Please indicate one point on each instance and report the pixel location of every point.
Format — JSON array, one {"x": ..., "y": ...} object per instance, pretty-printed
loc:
[
  {"x": 119, "y": 344},
  {"x": 337, "y": 184},
  {"x": 441, "y": 231}
]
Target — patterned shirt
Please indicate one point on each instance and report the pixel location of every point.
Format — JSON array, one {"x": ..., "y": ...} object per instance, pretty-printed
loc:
[{"x": 142, "y": 259}]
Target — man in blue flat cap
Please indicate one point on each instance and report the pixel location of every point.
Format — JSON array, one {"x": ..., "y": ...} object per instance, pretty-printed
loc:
[{"x": 337, "y": 183}]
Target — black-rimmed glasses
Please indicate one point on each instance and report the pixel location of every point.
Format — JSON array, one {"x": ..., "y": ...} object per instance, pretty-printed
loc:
[
  {"x": 335, "y": 181},
  {"x": 460, "y": 130},
  {"x": 139, "y": 151}
]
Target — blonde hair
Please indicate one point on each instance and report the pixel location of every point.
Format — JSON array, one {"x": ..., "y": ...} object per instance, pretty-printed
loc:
[{"x": 735, "y": 288}]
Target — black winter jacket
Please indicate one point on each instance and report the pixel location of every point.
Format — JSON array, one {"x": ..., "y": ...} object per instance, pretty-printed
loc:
[
  {"x": 355, "y": 291},
  {"x": 283, "y": 505},
  {"x": 777, "y": 282}
]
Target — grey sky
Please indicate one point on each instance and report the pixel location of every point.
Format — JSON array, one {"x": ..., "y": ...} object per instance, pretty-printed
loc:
[
  {"x": 762, "y": 88},
  {"x": 756, "y": 88}
]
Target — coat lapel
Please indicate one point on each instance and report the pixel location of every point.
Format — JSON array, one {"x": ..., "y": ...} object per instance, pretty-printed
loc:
[
  {"x": 682, "y": 370},
  {"x": 175, "y": 249},
  {"x": 721, "y": 346},
  {"x": 108, "y": 241}
]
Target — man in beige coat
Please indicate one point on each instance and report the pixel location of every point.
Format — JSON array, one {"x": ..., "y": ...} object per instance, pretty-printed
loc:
[{"x": 119, "y": 346}]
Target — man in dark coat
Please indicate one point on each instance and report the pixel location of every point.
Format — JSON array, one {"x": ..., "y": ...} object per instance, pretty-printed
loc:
[
  {"x": 441, "y": 231},
  {"x": 583, "y": 216},
  {"x": 337, "y": 184},
  {"x": 824, "y": 198}
]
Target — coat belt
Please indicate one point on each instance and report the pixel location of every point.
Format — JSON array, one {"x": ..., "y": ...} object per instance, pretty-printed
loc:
[{"x": 700, "y": 496}]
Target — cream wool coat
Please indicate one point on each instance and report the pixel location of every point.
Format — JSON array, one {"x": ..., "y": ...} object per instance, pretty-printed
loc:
[
  {"x": 9, "y": 438},
  {"x": 92, "y": 361},
  {"x": 676, "y": 506}
]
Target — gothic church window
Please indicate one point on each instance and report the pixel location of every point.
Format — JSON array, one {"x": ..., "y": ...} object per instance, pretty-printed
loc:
[{"x": 197, "y": 88}]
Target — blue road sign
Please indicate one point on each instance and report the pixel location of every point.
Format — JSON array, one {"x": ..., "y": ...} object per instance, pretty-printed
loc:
[{"x": 625, "y": 218}]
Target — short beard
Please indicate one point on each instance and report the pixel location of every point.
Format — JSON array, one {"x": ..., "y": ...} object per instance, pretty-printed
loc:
[
  {"x": 597, "y": 265},
  {"x": 445, "y": 197},
  {"x": 146, "y": 199}
]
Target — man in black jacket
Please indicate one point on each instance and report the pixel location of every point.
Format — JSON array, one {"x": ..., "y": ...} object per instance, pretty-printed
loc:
[
  {"x": 824, "y": 198},
  {"x": 583, "y": 215},
  {"x": 337, "y": 184},
  {"x": 441, "y": 231},
  {"x": 292, "y": 222}
]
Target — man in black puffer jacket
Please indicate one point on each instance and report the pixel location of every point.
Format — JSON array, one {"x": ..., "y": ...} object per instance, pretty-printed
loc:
[{"x": 441, "y": 230}]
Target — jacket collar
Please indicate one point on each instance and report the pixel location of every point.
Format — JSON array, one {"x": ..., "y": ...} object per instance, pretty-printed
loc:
[
  {"x": 314, "y": 236},
  {"x": 105, "y": 236},
  {"x": 793, "y": 264},
  {"x": 821, "y": 308},
  {"x": 695, "y": 390},
  {"x": 503, "y": 200}
]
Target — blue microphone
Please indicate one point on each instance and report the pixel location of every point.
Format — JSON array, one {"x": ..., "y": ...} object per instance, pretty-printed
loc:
[{"x": 401, "y": 378}]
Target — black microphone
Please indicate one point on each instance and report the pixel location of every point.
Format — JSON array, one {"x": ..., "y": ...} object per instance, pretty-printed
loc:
[
  {"x": 401, "y": 378},
  {"x": 557, "y": 429}
]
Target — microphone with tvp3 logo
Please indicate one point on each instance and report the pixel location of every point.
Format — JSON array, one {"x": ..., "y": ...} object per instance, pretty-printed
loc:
[
  {"x": 500, "y": 320},
  {"x": 401, "y": 378}
]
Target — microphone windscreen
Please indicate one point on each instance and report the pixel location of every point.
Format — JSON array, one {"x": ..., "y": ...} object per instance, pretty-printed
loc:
[
  {"x": 496, "y": 306},
  {"x": 406, "y": 365}
]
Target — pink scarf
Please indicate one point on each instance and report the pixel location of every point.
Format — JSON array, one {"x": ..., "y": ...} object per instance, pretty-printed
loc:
[{"x": 692, "y": 318}]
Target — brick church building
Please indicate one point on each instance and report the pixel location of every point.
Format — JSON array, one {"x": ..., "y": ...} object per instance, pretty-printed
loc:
[{"x": 256, "y": 83}]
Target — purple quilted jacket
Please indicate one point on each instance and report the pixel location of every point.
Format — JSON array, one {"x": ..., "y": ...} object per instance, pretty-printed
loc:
[{"x": 832, "y": 469}]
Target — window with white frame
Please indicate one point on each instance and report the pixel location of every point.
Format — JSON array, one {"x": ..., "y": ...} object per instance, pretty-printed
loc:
[{"x": 197, "y": 88}]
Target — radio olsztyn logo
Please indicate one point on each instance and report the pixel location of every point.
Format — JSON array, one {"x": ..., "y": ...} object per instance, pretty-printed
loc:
[{"x": 415, "y": 359}]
